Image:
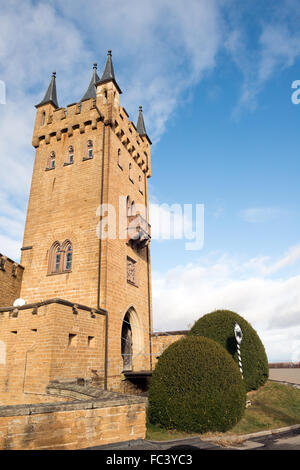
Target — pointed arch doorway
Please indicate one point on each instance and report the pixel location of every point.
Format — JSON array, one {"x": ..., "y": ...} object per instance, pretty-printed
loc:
[
  {"x": 126, "y": 343},
  {"x": 132, "y": 341}
]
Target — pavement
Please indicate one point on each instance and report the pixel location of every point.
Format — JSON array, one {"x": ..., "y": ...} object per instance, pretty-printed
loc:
[
  {"x": 288, "y": 440},
  {"x": 290, "y": 375}
]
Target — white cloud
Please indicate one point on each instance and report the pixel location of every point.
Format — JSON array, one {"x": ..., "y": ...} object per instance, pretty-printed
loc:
[
  {"x": 261, "y": 214},
  {"x": 277, "y": 48},
  {"x": 272, "y": 306}
]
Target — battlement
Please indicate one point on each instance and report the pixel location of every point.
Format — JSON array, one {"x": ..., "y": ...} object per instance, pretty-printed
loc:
[
  {"x": 85, "y": 116},
  {"x": 65, "y": 120}
]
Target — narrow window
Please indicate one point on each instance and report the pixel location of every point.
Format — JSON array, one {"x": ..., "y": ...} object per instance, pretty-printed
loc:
[
  {"x": 91, "y": 341},
  {"x": 90, "y": 149},
  {"x": 71, "y": 154},
  {"x": 132, "y": 208},
  {"x": 127, "y": 206},
  {"x": 68, "y": 264},
  {"x": 57, "y": 259},
  {"x": 43, "y": 118},
  {"x": 140, "y": 184},
  {"x": 51, "y": 163},
  {"x": 105, "y": 97},
  {"x": 119, "y": 158},
  {"x": 130, "y": 172}
]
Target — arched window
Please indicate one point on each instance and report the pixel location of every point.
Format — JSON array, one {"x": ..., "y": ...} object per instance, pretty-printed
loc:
[
  {"x": 54, "y": 261},
  {"x": 51, "y": 160},
  {"x": 140, "y": 184},
  {"x": 132, "y": 208},
  {"x": 68, "y": 252},
  {"x": 90, "y": 148},
  {"x": 57, "y": 260},
  {"x": 60, "y": 258},
  {"x": 119, "y": 158},
  {"x": 105, "y": 97},
  {"x": 127, "y": 206},
  {"x": 71, "y": 154},
  {"x": 130, "y": 172},
  {"x": 43, "y": 118}
]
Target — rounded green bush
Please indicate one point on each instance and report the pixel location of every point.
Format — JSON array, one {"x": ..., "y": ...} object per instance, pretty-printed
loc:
[
  {"x": 196, "y": 387},
  {"x": 219, "y": 326}
]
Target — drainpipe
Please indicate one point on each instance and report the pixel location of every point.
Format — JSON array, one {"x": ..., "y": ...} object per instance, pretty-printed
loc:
[
  {"x": 99, "y": 259},
  {"x": 148, "y": 274}
]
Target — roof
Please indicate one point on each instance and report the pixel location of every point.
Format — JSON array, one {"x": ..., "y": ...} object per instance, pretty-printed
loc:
[
  {"x": 91, "y": 91},
  {"x": 109, "y": 73},
  {"x": 50, "y": 96}
]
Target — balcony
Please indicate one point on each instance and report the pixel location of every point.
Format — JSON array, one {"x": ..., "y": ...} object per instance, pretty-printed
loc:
[{"x": 139, "y": 231}]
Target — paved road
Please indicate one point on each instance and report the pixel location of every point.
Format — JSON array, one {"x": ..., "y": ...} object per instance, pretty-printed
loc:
[
  {"x": 285, "y": 441},
  {"x": 285, "y": 375}
]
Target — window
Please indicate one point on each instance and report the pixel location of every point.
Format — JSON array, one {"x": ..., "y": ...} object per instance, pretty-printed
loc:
[
  {"x": 127, "y": 206},
  {"x": 132, "y": 208},
  {"x": 43, "y": 118},
  {"x": 90, "y": 149},
  {"x": 105, "y": 97},
  {"x": 60, "y": 258},
  {"x": 68, "y": 258},
  {"x": 57, "y": 259},
  {"x": 71, "y": 154},
  {"x": 51, "y": 161},
  {"x": 140, "y": 184},
  {"x": 119, "y": 158},
  {"x": 130, "y": 172}
]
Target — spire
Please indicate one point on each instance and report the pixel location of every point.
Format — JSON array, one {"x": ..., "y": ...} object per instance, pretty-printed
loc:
[
  {"x": 91, "y": 91},
  {"x": 50, "y": 96},
  {"x": 140, "y": 127},
  {"x": 109, "y": 73}
]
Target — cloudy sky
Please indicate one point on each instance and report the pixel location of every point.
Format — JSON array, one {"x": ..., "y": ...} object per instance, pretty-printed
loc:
[{"x": 215, "y": 81}]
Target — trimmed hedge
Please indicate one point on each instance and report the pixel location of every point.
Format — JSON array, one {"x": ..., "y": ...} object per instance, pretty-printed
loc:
[
  {"x": 219, "y": 326},
  {"x": 196, "y": 387}
]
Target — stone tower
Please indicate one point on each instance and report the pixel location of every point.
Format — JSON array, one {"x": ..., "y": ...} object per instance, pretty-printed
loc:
[{"x": 87, "y": 233}]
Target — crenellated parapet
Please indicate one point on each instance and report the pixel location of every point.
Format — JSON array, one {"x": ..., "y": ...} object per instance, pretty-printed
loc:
[{"x": 66, "y": 120}]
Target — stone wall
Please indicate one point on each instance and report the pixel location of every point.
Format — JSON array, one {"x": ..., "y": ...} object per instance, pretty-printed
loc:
[
  {"x": 11, "y": 274},
  {"x": 160, "y": 341},
  {"x": 50, "y": 342},
  {"x": 74, "y": 425}
]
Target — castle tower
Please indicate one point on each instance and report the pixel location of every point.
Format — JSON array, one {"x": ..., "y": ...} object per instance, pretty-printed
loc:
[{"x": 87, "y": 229}]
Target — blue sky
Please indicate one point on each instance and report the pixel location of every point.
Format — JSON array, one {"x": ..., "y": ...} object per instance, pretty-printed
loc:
[{"x": 214, "y": 79}]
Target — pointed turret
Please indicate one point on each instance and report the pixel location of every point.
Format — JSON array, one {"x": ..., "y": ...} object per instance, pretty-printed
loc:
[
  {"x": 140, "y": 127},
  {"x": 109, "y": 74},
  {"x": 50, "y": 96},
  {"x": 91, "y": 91}
]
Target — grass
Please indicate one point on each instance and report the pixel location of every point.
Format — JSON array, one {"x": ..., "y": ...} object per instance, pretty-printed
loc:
[{"x": 272, "y": 406}]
